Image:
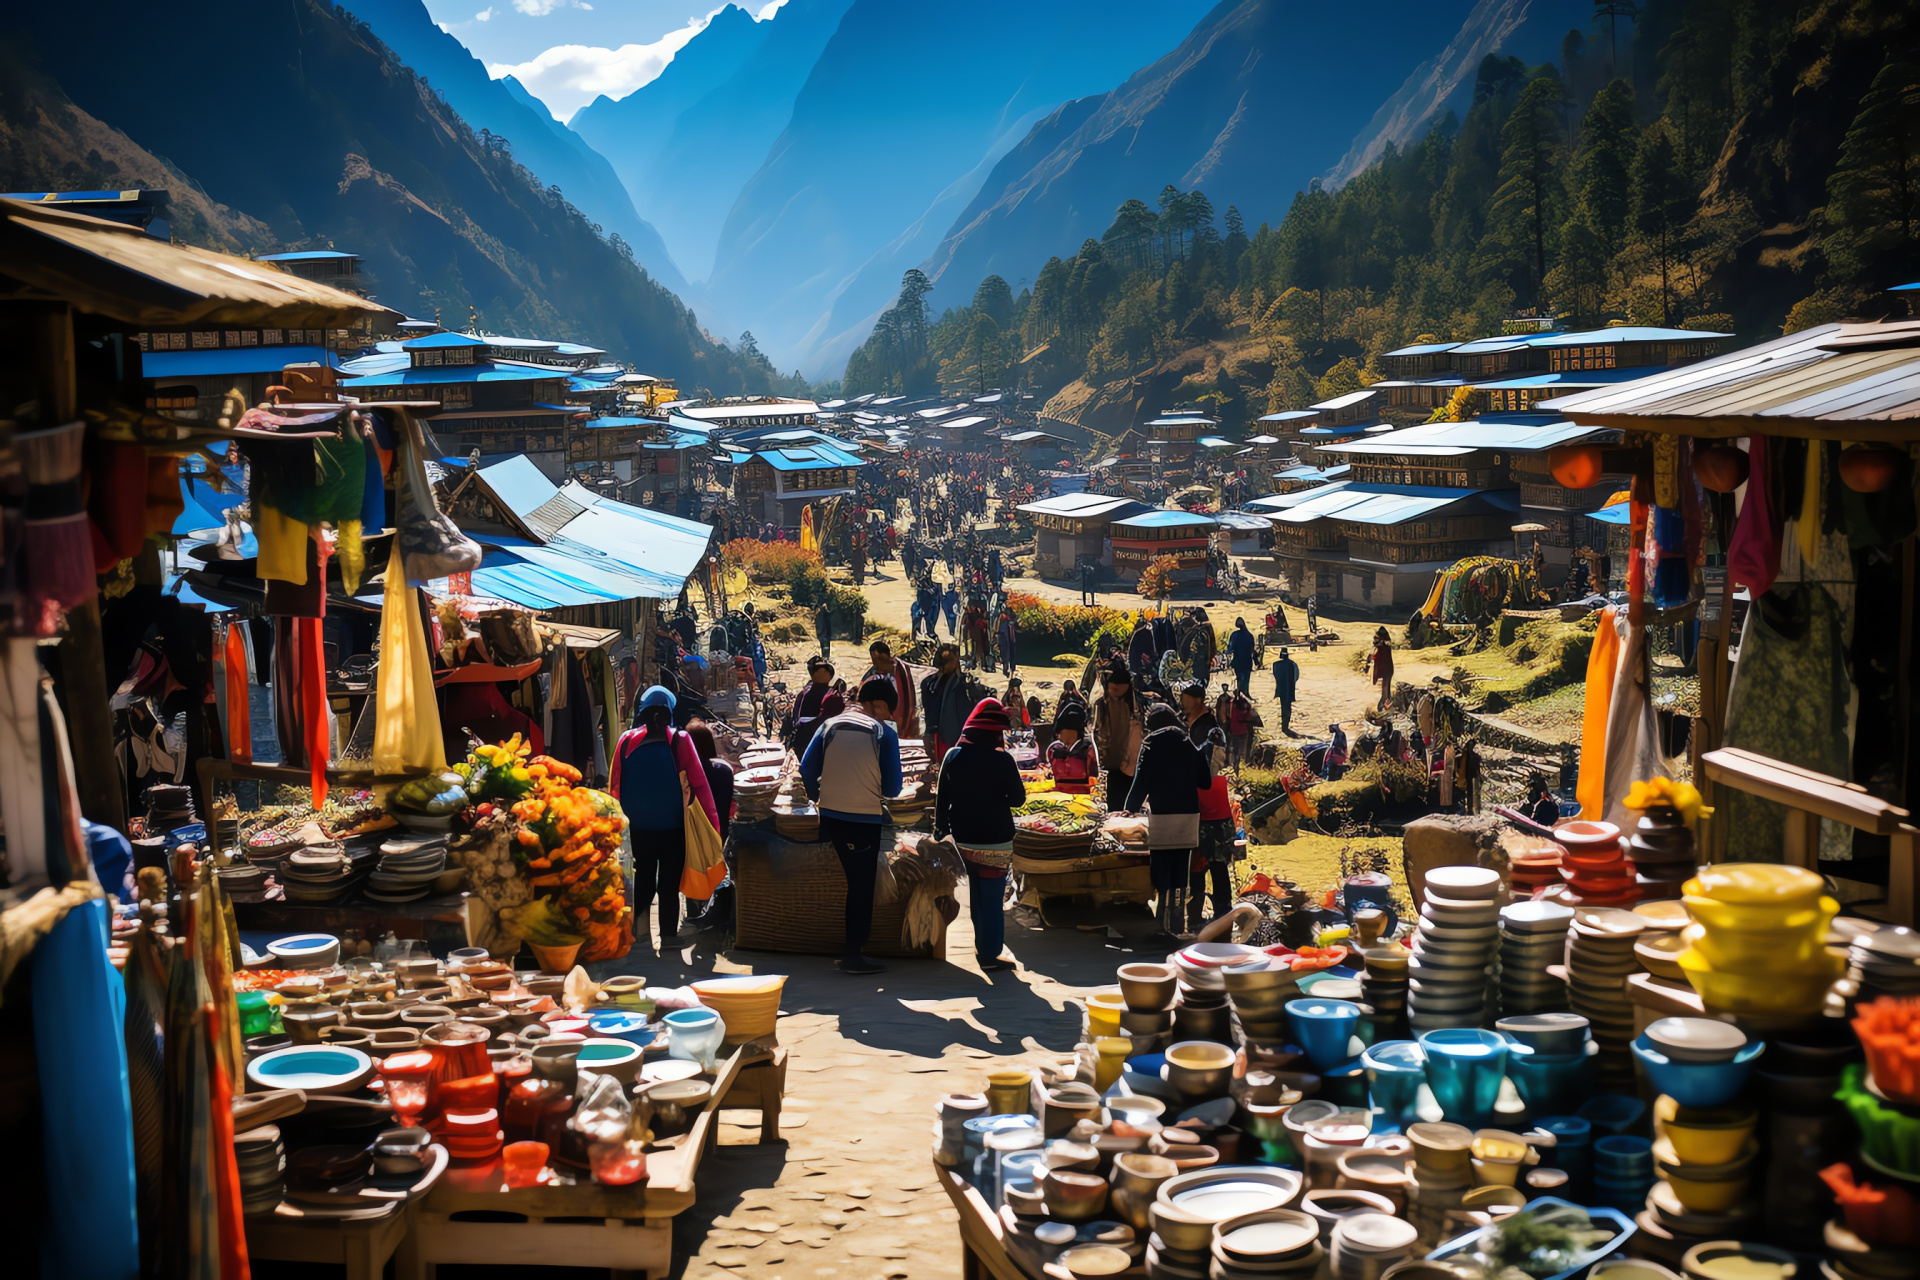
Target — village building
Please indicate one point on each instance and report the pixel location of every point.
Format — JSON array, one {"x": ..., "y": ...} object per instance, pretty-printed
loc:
[
  {"x": 1068, "y": 527},
  {"x": 777, "y": 483},
  {"x": 1139, "y": 540}
]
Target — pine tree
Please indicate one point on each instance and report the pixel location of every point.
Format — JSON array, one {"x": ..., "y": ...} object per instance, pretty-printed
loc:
[
  {"x": 994, "y": 298},
  {"x": 1130, "y": 238},
  {"x": 1872, "y": 218},
  {"x": 1604, "y": 164},
  {"x": 1662, "y": 202},
  {"x": 1525, "y": 203}
]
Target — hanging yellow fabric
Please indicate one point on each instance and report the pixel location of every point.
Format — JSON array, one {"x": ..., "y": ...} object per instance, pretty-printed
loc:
[
  {"x": 1602, "y": 667},
  {"x": 353, "y": 556},
  {"x": 283, "y": 546},
  {"x": 406, "y": 734},
  {"x": 1806, "y": 525},
  {"x": 807, "y": 542}
]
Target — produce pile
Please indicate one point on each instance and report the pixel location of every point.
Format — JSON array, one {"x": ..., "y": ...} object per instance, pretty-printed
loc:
[
  {"x": 1052, "y": 813},
  {"x": 542, "y": 854}
]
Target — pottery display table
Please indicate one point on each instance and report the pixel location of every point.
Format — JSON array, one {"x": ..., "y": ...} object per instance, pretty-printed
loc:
[
  {"x": 1101, "y": 879},
  {"x": 983, "y": 1242},
  {"x": 628, "y": 1230},
  {"x": 760, "y": 1085},
  {"x": 359, "y": 1239}
]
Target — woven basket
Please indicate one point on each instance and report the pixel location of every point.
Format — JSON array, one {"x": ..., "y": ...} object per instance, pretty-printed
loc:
[
  {"x": 793, "y": 897},
  {"x": 1052, "y": 844}
]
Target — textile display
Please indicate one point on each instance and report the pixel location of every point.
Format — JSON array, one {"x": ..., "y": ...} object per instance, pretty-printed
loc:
[
  {"x": 1603, "y": 663},
  {"x": 406, "y": 730}
]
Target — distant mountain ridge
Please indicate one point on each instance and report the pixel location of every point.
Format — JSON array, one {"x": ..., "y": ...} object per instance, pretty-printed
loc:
[
  {"x": 687, "y": 146},
  {"x": 355, "y": 150},
  {"x": 1250, "y": 107},
  {"x": 557, "y": 155}
]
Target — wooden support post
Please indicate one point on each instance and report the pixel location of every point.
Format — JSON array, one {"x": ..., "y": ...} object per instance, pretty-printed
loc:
[
  {"x": 83, "y": 661},
  {"x": 1902, "y": 885}
]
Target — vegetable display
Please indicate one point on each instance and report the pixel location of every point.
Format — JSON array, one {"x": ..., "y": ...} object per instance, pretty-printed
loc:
[
  {"x": 1056, "y": 814},
  {"x": 542, "y": 852}
]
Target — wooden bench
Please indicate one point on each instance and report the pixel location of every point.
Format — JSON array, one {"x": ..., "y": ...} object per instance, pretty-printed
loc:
[
  {"x": 628, "y": 1230},
  {"x": 360, "y": 1244},
  {"x": 983, "y": 1241}
]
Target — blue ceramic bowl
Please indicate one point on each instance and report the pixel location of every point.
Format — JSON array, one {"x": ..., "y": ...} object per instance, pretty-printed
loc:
[
  {"x": 1465, "y": 1066},
  {"x": 1324, "y": 1028},
  {"x": 1621, "y": 1158},
  {"x": 1141, "y": 1075},
  {"x": 1697, "y": 1084},
  {"x": 1611, "y": 1113},
  {"x": 1551, "y": 1082},
  {"x": 631, "y": 1027},
  {"x": 1567, "y": 1131},
  {"x": 1395, "y": 1071}
]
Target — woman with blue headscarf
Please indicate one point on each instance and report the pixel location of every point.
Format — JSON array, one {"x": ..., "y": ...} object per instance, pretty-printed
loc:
[{"x": 656, "y": 773}]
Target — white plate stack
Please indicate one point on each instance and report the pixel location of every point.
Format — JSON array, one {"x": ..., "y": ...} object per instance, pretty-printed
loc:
[
  {"x": 409, "y": 865},
  {"x": 1533, "y": 935},
  {"x": 1366, "y": 1244},
  {"x": 263, "y": 1166},
  {"x": 1452, "y": 946}
]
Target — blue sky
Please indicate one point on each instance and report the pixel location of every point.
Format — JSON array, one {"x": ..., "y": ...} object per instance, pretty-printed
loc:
[{"x": 568, "y": 52}]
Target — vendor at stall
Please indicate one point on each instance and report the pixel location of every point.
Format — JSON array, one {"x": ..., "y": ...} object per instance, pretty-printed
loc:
[
  {"x": 1070, "y": 758},
  {"x": 851, "y": 769},
  {"x": 1167, "y": 782},
  {"x": 979, "y": 789},
  {"x": 649, "y": 764}
]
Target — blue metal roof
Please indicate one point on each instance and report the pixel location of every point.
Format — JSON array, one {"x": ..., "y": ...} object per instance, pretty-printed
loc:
[
  {"x": 230, "y": 360},
  {"x": 809, "y": 458},
  {"x": 306, "y": 255},
  {"x": 577, "y": 349},
  {"x": 434, "y": 341},
  {"x": 1395, "y": 508},
  {"x": 1623, "y": 333},
  {"x": 379, "y": 362},
  {"x": 457, "y": 373},
  {"x": 1901, "y": 288},
  {"x": 1585, "y": 378},
  {"x": 610, "y": 420},
  {"x": 1454, "y": 438},
  {"x": 1352, "y": 430},
  {"x": 1215, "y": 442},
  {"x": 1163, "y": 520},
  {"x": 1424, "y": 349},
  {"x": 1307, "y": 471},
  {"x": 1287, "y": 501},
  {"x": 1288, "y": 415},
  {"x": 1618, "y": 513}
]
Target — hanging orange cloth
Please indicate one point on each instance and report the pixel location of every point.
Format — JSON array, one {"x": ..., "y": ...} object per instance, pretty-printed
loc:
[
  {"x": 1602, "y": 665},
  {"x": 316, "y": 715},
  {"x": 239, "y": 706},
  {"x": 234, "y": 1263}
]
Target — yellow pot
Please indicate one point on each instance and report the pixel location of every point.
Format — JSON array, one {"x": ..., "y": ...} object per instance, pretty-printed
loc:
[
  {"x": 1703, "y": 1136},
  {"x": 1755, "y": 883},
  {"x": 1811, "y": 916},
  {"x": 1776, "y": 951},
  {"x": 1750, "y": 993},
  {"x": 1103, "y": 1013},
  {"x": 1707, "y": 1197}
]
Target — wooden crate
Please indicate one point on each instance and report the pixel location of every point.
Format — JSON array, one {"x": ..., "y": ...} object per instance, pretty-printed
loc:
[{"x": 793, "y": 897}]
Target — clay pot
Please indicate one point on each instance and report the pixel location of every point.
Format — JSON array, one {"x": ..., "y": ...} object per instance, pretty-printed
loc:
[
  {"x": 1869, "y": 468},
  {"x": 557, "y": 959},
  {"x": 305, "y": 1022},
  {"x": 1720, "y": 467},
  {"x": 373, "y": 1015}
]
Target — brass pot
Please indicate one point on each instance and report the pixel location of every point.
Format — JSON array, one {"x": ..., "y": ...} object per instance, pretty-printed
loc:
[{"x": 1135, "y": 1180}]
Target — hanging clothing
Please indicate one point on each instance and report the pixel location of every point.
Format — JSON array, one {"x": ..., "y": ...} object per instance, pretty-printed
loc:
[
  {"x": 283, "y": 547},
  {"x": 406, "y": 734},
  {"x": 1788, "y": 702},
  {"x": 1633, "y": 730},
  {"x": 1754, "y": 558},
  {"x": 1603, "y": 663}
]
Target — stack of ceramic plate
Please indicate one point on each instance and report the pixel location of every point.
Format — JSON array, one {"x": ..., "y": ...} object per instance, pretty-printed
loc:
[
  {"x": 913, "y": 757},
  {"x": 1885, "y": 962},
  {"x": 1440, "y": 1178},
  {"x": 1452, "y": 946},
  {"x": 409, "y": 865},
  {"x": 1534, "y": 865},
  {"x": 319, "y": 874},
  {"x": 1259, "y": 995},
  {"x": 798, "y": 821},
  {"x": 753, "y": 792},
  {"x": 1201, "y": 965},
  {"x": 168, "y": 807},
  {"x": 913, "y": 802},
  {"x": 243, "y": 881},
  {"x": 1273, "y": 1242},
  {"x": 1383, "y": 988},
  {"x": 1599, "y": 960},
  {"x": 1368, "y": 1243},
  {"x": 1668, "y": 1228},
  {"x": 263, "y": 1164},
  {"x": 1533, "y": 935}
]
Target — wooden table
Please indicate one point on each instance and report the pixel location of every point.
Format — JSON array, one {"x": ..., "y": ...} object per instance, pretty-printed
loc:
[
  {"x": 761, "y": 1084},
  {"x": 628, "y": 1230},
  {"x": 983, "y": 1242},
  {"x": 361, "y": 1245}
]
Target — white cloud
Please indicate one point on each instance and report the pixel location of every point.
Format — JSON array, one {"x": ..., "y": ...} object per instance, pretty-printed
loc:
[
  {"x": 569, "y": 76},
  {"x": 485, "y": 15},
  {"x": 768, "y": 9},
  {"x": 536, "y": 8}
]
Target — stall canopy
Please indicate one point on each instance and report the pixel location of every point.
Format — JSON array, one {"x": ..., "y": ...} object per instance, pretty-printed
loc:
[
  {"x": 1831, "y": 382},
  {"x": 118, "y": 271},
  {"x": 564, "y": 547}
]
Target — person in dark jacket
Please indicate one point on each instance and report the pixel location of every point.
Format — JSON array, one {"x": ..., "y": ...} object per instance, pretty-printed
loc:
[
  {"x": 947, "y": 697},
  {"x": 1240, "y": 647},
  {"x": 1286, "y": 687},
  {"x": 823, "y": 628},
  {"x": 1167, "y": 782},
  {"x": 1214, "y": 854},
  {"x": 650, "y": 762},
  {"x": 978, "y": 791}
]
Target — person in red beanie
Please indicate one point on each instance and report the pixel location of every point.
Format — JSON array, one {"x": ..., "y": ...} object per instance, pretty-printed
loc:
[{"x": 978, "y": 790}]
